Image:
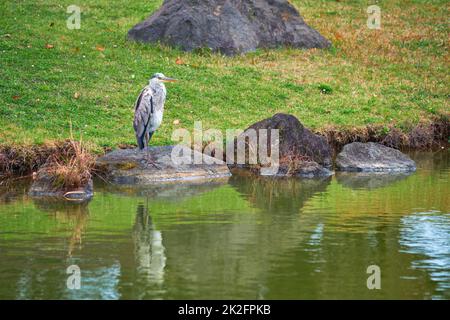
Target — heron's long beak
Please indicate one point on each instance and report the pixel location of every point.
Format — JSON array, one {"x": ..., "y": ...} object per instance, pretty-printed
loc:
[{"x": 166, "y": 79}]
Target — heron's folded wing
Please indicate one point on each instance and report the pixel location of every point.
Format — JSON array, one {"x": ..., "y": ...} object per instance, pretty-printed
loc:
[
  {"x": 139, "y": 99},
  {"x": 142, "y": 112}
]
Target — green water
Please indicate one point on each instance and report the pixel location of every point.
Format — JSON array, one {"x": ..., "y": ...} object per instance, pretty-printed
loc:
[{"x": 245, "y": 238}]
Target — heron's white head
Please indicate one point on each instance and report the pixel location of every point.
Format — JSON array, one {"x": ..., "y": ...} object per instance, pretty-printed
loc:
[{"x": 159, "y": 77}]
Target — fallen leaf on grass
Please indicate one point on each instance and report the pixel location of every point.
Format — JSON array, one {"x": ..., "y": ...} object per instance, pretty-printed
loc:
[
  {"x": 176, "y": 122},
  {"x": 100, "y": 48},
  {"x": 16, "y": 97},
  {"x": 49, "y": 46},
  {"x": 179, "y": 61}
]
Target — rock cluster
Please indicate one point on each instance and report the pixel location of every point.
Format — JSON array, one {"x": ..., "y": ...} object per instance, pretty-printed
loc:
[{"x": 301, "y": 153}]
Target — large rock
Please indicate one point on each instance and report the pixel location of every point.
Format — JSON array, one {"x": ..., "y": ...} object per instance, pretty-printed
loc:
[
  {"x": 43, "y": 187},
  {"x": 132, "y": 166},
  {"x": 301, "y": 152},
  {"x": 228, "y": 26},
  {"x": 373, "y": 157}
]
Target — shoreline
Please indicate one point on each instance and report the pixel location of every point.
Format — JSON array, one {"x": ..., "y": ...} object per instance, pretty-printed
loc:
[{"x": 24, "y": 160}]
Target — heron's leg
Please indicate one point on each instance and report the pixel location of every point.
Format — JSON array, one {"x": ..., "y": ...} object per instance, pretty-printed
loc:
[
  {"x": 147, "y": 140},
  {"x": 149, "y": 137},
  {"x": 150, "y": 161}
]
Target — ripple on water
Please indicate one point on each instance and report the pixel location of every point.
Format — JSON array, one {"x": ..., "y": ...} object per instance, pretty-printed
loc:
[{"x": 427, "y": 234}]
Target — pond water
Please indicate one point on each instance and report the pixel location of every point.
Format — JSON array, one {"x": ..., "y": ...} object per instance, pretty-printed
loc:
[{"x": 242, "y": 238}]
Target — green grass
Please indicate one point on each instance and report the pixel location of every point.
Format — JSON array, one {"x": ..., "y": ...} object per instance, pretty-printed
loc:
[{"x": 397, "y": 75}]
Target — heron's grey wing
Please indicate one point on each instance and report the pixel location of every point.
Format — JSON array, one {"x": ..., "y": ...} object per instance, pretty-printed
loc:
[
  {"x": 139, "y": 99},
  {"x": 143, "y": 111}
]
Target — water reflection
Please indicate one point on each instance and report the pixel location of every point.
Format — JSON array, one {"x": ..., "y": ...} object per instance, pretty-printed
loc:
[
  {"x": 98, "y": 281},
  {"x": 169, "y": 191},
  {"x": 426, "y": 234},
  {"x": 436, "y": 160},
  {"x": 278, "y": 194},
  {"x": 73, "y": 213},
  {"x": 369, "y": 180},
  {"x": 237, "y": 259},
  {"x": 148, "y": 248},
  {"x": 251, "y": 237},
  {"x": 11, "y": 190}
]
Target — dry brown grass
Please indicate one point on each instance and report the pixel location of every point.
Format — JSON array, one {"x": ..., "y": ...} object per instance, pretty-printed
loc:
[
  {"x": 70, "y": 169},
  {"x": 427, "y": 135},
  {"x": 21, "y": 160},
  {"x": 292, "y": 163},
  {"x": 69, "y": 164}
]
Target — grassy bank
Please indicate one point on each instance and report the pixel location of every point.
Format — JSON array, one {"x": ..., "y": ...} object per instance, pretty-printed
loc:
[{"x": 395, "y": 77}]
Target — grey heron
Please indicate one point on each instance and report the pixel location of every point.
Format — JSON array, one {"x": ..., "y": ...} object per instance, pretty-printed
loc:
[{"x": 149, "y": 109}]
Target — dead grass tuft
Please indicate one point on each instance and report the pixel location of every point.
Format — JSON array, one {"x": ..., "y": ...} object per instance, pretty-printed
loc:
[
  {"x": 70, "y": 169},
  {"x": 396, "y": 139},
  {"x": 22, "y": 160},
  {"x": 292, "y": 163},
  {"x": 421, "y": 137},
  {"x": 425, "y": 136},
  {"x": 69, "y": 164}
]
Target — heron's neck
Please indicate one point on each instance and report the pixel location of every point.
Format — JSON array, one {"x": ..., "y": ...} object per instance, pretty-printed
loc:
[{"x": 157, "y": 85}]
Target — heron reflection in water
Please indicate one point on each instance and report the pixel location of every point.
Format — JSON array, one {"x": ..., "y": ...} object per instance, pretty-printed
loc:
[{"x": 148, "y": 247}]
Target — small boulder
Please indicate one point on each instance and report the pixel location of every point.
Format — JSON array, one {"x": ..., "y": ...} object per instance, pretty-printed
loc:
[
  {"x": 301, "y": 152},
  {"x": 373, "y": 157},
  {"x": 43, "y": 186}
]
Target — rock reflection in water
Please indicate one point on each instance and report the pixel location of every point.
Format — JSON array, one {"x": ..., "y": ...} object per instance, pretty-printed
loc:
[
  {"x": 237, "y": 258},
  {"x": 169, "y": 191},
  {"x": 278, "y": 194},
  {"x": 67, "y": 212},
  {"x": 11, "y": 190},
  {"x": 370, "y": 180}
]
